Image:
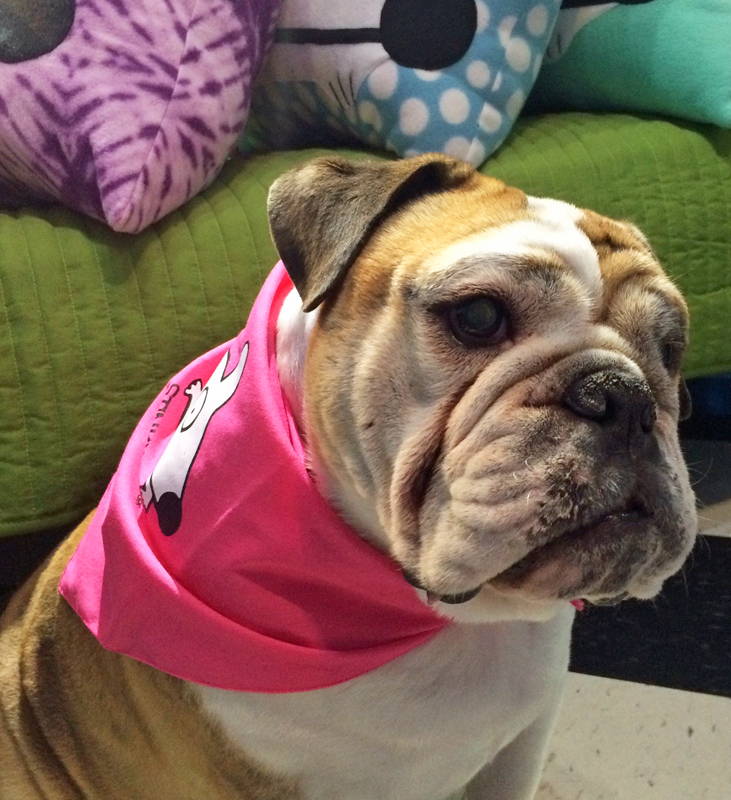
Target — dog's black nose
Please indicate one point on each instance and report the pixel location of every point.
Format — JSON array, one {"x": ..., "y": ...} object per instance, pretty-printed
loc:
[
  {"x": 622, "y": 403},
  {"x": 428, "y": 34}
]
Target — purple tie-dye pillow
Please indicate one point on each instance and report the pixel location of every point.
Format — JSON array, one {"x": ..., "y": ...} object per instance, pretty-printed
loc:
[{"x": 134, "y": 105}]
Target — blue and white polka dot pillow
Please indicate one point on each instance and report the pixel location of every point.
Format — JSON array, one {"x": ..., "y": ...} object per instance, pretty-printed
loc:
[{"x": 412, "y": 76}]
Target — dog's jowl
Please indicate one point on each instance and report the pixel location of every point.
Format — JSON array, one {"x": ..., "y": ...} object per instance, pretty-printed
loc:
[{"x": 340, "y": 555}]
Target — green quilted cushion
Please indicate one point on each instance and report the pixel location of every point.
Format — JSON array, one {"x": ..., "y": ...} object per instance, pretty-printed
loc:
[{"x": 93, "y": 322}]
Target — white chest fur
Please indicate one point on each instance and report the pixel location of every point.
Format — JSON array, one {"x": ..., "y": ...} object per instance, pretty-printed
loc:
[{"x": 418, "y": 728}]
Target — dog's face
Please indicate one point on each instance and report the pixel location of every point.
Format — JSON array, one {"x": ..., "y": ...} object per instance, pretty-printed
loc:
[{"x": 497, "y": 376}]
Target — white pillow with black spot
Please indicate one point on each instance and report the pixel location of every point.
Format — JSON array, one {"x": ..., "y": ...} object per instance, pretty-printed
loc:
[{"x": 411, "y": 76}]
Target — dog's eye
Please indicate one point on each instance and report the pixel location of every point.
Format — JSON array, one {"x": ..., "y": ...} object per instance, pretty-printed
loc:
[
  {"x": 478, "y": 321},
  {"x": 671, "y": 356}
]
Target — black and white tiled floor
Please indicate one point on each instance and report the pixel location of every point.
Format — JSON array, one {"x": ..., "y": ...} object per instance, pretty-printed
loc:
[{"x": 647, "y": 712}]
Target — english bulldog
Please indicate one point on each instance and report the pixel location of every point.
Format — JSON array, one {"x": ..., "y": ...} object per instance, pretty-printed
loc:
[{"x": 477, "y": 393}]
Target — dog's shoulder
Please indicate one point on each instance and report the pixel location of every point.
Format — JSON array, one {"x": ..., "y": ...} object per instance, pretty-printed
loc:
[{"x": 79, "y": 720}]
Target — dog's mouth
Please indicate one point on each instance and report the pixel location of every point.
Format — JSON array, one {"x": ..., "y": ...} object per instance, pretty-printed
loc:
[
  {"x": 601, "y": 534},
  {"x": 521, "y": 575}
]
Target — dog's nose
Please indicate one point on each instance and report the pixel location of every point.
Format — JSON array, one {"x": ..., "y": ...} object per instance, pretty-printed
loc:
[
  {"x": 428, "y": 34},
  {"x": 619, "y": 401}
]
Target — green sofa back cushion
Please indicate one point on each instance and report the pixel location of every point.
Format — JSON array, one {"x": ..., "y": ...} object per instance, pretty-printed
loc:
[{"x": 93, "y": 322}]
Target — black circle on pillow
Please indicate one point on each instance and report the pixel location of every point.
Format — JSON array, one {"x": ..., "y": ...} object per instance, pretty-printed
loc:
[
  {"x": 428, "y": 34},
  {"x": 30, "y": 29}
]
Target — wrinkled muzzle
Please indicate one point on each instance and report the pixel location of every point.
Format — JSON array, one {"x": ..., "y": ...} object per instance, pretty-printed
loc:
[{"x": 568, "y": 484}]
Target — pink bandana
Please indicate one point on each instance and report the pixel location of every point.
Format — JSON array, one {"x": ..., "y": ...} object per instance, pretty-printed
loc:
[{"x": 213, "y": 557}]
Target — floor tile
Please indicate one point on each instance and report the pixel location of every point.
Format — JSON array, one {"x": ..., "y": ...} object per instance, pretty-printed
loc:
[
  {"x": 709, "y": 463},
  {"x": 715, "y": 520},
  {"x": 681, "y": 639},
  {"x": 617, "y": 740}
]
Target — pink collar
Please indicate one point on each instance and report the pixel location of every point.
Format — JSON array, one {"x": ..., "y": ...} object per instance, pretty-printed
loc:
[{"x": 213, "y": 557}]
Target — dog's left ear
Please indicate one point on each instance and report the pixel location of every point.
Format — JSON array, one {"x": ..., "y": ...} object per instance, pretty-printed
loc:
[
  {"x": 684, "y": 401},
  {"x": 321, "y": 214}
]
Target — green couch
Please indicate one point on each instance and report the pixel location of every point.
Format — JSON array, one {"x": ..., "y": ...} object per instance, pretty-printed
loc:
[{"x": 92, "y": 322}]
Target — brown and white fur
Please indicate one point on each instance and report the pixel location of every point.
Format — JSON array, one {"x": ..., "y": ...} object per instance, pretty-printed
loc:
[{"x": 487, "y": 468}]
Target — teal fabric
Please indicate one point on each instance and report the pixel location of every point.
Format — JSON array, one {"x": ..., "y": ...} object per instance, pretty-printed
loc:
[
  {"x": 665, "y": 56},
  {"x": 310, "y": 94}
]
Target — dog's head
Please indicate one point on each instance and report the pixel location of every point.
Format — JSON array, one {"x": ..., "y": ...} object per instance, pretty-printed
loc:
[{"x": 492, "y": 388}]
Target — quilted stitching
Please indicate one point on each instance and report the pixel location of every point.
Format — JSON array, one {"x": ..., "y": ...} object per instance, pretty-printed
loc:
[{"x": 120, "y": 314}]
